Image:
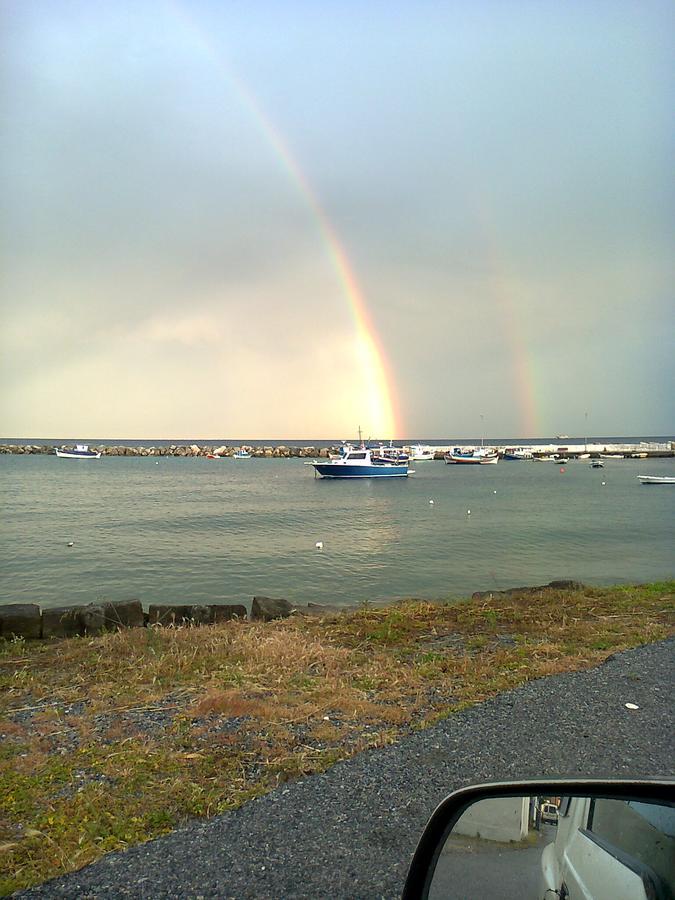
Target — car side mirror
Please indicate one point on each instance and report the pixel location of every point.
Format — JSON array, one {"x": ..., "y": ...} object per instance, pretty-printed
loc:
[{"x": 544, "y": 840}]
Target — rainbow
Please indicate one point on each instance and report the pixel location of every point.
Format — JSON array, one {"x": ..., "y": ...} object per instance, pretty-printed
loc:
[
  {"x": 507, "y": 290},
  {"x": 377, "y": 376}
]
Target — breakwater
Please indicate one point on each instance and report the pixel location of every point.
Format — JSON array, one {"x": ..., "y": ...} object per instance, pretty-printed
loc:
[
  {"x": 642, "y": 450},
  {"x": 29, "y": 621}
]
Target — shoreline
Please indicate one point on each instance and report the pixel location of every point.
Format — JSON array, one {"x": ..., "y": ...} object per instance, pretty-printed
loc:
[
  {"x": 109, "y": 740},
  {"x": 572, "y": 451}
]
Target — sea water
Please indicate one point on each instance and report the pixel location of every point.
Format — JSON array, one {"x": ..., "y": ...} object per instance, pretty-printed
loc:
[{"x": 193, "y": 530}]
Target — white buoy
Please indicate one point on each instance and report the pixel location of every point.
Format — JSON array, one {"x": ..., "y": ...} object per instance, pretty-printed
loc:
[
  {"x": 494, "y": 492},
  {"x": 468, "y": 512},
  {"x": 71, "y": 543},
  {"x": 156, "y": 463},
  {"x": 319, "y": 545},
  {"x": 431, "y": 502},
  {"x": 604, "y": 482}
]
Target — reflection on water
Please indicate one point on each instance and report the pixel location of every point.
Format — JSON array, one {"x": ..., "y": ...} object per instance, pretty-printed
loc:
[{"x": 200, "y": 531}]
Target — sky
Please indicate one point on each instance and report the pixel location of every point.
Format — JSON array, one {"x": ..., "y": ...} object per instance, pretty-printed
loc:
[{"x": 288, "y": 220}]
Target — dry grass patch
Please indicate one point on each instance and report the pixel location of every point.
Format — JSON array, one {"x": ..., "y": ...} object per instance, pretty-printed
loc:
[{"x": 109, "y": 741}]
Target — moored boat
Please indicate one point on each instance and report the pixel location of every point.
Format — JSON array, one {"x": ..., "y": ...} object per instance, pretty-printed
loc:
[
  {"x": 516, "y": 453},
  {"x": 480, "y": 457},
  {"x": 80, "y": 451},
  {"x": 361, "y": 463},
  {"x": 419, "y": 453},
  {"x": 597, "y": 464},
  {"x": 389, "y": 454},
  {"x": 242, "y": 453},
  {"x": 656, "y": 479}
]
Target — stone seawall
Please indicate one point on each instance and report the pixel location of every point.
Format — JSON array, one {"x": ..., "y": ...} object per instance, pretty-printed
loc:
[
  {"x": 28, "y": 621},
  {"x": 280, "y": 451}
]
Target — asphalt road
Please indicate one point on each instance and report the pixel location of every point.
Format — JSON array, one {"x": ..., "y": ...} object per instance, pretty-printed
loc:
[
  {"x": 491, "y": 872},
  {"x": 351, "y": 832}
]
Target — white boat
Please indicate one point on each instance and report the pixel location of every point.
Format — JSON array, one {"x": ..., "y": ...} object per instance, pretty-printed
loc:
[
  {"x": 597, "y": 464},
  {"x": 480, "y": 457},
  {"x": 81, "y": 451},
  {"x": 517, "y": 453},
  {"x": 656, "y": 479},
  {"x": 584, "y": 456},
  {"x": 241, "y": 453},
  {"x": 611, "y": 456},
  {"x": 420, "y": 453}
]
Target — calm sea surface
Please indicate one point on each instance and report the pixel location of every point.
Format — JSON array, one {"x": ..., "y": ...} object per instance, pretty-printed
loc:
[{"x": 198, "y": 530}]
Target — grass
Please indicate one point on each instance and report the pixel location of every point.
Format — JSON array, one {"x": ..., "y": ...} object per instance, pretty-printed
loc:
[{"x": 106, "y": 742}]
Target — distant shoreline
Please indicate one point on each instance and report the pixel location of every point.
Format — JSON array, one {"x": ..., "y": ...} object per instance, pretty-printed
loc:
[
  {"x": 564, "y": 449},
  {"x": 315, "y": 441}
]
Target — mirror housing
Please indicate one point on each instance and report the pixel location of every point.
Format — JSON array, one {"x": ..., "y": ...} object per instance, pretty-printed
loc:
[{"x": 450, "y": 810}]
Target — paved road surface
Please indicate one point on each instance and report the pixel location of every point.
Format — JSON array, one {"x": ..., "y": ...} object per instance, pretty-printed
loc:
[{"x": 351, "y": 831}]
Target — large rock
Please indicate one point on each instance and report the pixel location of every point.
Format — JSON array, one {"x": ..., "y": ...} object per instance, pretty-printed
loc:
[
  {"x": 123, "y": 614},
  {"x": 564, "y": 585},
  {"x": 201, "y": 615},
  {"x": 226, "y": 612},
  {"x": 319, "y": 610},
  {"x": 22, "y": 620},
  {"x": 266, "y": 608},
  {"x": 92, "y": 619},
  {"x": 61, "y": 621},
  {"x": 159, "y": 614}
]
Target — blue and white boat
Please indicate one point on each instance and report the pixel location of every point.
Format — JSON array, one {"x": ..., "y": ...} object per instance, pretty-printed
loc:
[
  {"x": 81, "y": 451},
  {"x": 361, "y": 463},
  {"x": 517, "y": 453},
  {"x": 241, "y": 453}
]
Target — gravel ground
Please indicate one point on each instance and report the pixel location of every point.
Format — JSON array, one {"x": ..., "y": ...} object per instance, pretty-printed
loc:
[{"x": 351, "y": 831}]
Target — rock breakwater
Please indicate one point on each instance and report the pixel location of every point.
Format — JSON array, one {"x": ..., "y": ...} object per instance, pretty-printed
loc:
[{"x": 179, "y": 450}]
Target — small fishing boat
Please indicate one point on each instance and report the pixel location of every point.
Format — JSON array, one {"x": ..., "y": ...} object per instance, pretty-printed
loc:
[
  {"x": 597, "y": 464},
  {"x": 611, "y": 456},
  {"x": 241, "y": 453},
  {"x": 420, "y": 453},
  {"x": 656, "y": 479},
  {"x": 516, "y": 453},
  {"x": 389, "y": 454},
  {"x": 584, "y": 456},
  {"x": 480, "y": 457},
  {"x": 360, "y": 463},
  {"x": 81, "y": 451}
]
